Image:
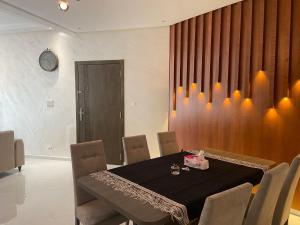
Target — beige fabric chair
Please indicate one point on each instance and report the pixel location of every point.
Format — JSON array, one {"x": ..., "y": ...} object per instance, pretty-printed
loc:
[
  {"x": 88, "y": 158},
  {"x": 167, "y": 143},
  {"x": 135, "y": 149},
  {"x": 226, "y": 208},
  {"x": 11, "y": 151},
  {"x": 284, "y": 203},
  {"x": 262, "y": 207}
]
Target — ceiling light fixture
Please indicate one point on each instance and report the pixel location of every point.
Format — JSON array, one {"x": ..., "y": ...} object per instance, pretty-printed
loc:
[{"x": 63, "y": 5}]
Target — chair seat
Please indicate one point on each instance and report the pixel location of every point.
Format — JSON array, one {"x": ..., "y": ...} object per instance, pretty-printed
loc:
[{"x": 97, "y": 212}]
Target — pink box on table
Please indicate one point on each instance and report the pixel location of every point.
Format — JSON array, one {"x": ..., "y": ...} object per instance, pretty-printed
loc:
[{"x": 196, "y": 161}]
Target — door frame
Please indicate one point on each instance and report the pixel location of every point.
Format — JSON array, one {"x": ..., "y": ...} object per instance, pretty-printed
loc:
[{"x": 100, "y": 62}]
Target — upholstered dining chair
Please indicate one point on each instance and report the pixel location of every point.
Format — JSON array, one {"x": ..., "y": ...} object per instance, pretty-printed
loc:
[
  {"x": 227, "y": 207},
  {"x": 284, "y": 203},
  {"x": 167, "y": 143},
  {"x": 261, "y": 209},
  {"x": 87, "y": 158},
  {"x": 135, "y": 149}
]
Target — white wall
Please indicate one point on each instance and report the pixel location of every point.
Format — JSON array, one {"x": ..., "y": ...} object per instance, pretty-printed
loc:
[{"x": 25, "y": 87}]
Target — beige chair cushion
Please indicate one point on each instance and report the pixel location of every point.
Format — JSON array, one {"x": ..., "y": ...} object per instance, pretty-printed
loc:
[
  {"x": 226, "y": 208},
  {"x": 135, "y": 149},
  {"x": 286, "y": 196},
  {"x": 86, "y": 158},
  {"x": 167, "y": 143},
  {"x": 94, "y": 211},
  {"x": 262, "y": 207},
  {"x": 7, "y": 155}
]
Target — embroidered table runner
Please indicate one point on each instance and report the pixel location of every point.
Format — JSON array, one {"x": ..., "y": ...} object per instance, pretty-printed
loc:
[{"x": 181, "y": 196}]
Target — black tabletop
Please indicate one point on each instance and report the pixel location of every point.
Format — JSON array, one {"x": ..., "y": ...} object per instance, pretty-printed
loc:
[{"x": 190, "y": 188}]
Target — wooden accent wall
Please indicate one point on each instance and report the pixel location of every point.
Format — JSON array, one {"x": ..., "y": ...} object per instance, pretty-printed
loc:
[{"x": 235, "y": 80}]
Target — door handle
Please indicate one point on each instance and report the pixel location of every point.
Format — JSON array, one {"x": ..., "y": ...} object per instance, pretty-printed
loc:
[{"x": 81, "y": 113}]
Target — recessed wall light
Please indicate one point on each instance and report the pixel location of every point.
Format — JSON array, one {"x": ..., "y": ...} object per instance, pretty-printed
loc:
[{"x": 63, "y": 5}]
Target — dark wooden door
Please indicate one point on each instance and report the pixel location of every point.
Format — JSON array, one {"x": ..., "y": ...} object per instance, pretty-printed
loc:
[{"x": 100, "y": 105}]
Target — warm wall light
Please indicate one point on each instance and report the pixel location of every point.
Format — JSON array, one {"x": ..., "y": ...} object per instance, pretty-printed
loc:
[
  {"x": 226, "y": 102},
  {"x": 173, "y": 114},
  {"x": 236, "y": 94},
  {"x": 272, "y": 115},
  {"x": 218, "y": 86},
  {"x": 296, "y": 88},
  {"x": 208, "y": 106},
  {"x": 63, "y": 5},
  {"x": 193, "y": 86},
  {"x": 180, "y": 90},
  {"x": 186, "y": 100},
  {"x": 285, "y": 104},
  {"x": 247, "y": 103},
  {"x": 201, "y": 96}
]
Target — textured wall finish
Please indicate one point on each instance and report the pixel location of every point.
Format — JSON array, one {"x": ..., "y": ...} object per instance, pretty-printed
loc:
[
  {"x": 25, "y": 87},
  {"x": 235, "y": 80}
]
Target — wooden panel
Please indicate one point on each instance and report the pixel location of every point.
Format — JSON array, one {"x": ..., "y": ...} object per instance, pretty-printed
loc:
[
  {"x": 283, "y": 49},
  {"x": 231, "y": 45},
  {"x": 199, "y": 49},
  {"x": 269, "y": 62},
  {"x": 216, "y": 44},
  {"x": 207, "y": 54},
  {"x": 178, "y": 55},
  {"x": 191, "y": 60},
  {"x": 257, "y": 40},
  {"x": 235, "y": 47},
  {"x": 172, "y": 69},
  {"x": 246, "y": 34},
  {"x": 225, "y": 46},
  {"x": 184, "y": 55},
  {"x": 295, "y": 43}
]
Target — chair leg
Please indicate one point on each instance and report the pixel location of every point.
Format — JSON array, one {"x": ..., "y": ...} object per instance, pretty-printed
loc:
[
  {"x": 286, "y": 223},
  {"x": 19, "y": 168},
  {"x": 77, "y": 222}
]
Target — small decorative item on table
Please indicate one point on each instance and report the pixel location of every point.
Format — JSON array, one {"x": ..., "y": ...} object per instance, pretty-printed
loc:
[
  {"x": 175, "y": 169},
  {"x": 196, "y": 161}
]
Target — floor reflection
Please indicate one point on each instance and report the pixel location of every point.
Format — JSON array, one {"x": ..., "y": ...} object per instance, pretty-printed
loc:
[{"x": 12, "y": 194}]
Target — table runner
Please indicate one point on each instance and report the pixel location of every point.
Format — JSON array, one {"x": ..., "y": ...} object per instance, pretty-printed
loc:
[{"x": 181, "y": 196}]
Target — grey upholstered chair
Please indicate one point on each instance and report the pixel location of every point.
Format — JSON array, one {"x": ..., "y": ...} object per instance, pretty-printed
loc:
[
  {"x": 11, "y": 151},
  {"x": 284, "y": 203},
  {"x": 261, "y": 210},
  {"x": 135, "y": 149},
  {"x": 167, "y": 143},
  {"x": 226, "y": 208},
  {"x": 88, "y": 158}
]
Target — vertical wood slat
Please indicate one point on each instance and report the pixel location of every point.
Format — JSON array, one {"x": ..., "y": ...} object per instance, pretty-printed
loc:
[
  {"x": 295, "y": 43},
  {"x": 217, "y": 14},
  {"x": 172, "y": 75},
  {"x": 225, "y": 46},
  {"x": 199, "y": 50},
  {"x": 192, "y": 49},
  {"x": 185, "y": 54},
  {"x": 207, "y": 54},
  {"x": 257, "y": 40},
  {"x": 235, "y": 46},
  {"x": 270, "y": 46},
  {"x": 283, "y": 49},
  {"x": 178, "y": 54},
  {"x": 246, "y": 31}
]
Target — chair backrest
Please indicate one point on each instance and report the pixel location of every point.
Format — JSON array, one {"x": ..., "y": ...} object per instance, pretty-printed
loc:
[
  {"x": 167, "y": 143},
  {"x": 7, "y": 154},
  {"x": 284, "y": 203},
  {"x": 262, "y": 207},
  {"x": 86, "y": 158},
  {"x": 135, "y": 149},
  {"x": 226, "y": 208}
]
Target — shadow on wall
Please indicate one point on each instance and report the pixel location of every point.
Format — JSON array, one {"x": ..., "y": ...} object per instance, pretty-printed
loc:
[{"x": 11, "y": 198}]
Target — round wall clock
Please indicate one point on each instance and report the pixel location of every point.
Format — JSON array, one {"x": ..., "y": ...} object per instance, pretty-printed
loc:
[{"x": 48, "y": 60}]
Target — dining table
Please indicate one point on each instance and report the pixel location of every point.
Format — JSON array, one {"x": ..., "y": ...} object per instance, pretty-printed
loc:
[{"x": 147, "y": 193}]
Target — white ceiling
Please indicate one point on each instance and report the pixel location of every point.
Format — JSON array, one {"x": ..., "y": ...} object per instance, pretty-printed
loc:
[
  {"x": 12, "y": 23},
  {"x": 99, "y": 15}
]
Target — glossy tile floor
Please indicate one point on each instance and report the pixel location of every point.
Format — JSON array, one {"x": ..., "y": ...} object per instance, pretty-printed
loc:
[{"x": 42, "y": 194}]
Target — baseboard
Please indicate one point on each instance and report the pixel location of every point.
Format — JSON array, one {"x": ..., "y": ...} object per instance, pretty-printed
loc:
[
  {"x": 48, "y": 157},
  {"x": 295, "y": 212}
]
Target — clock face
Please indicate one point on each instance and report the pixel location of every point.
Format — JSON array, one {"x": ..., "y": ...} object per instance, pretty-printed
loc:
[{"x": 48, "y": 60}]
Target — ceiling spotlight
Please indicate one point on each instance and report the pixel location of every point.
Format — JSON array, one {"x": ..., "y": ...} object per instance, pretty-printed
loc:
[{"x": 63, "y": 5}]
